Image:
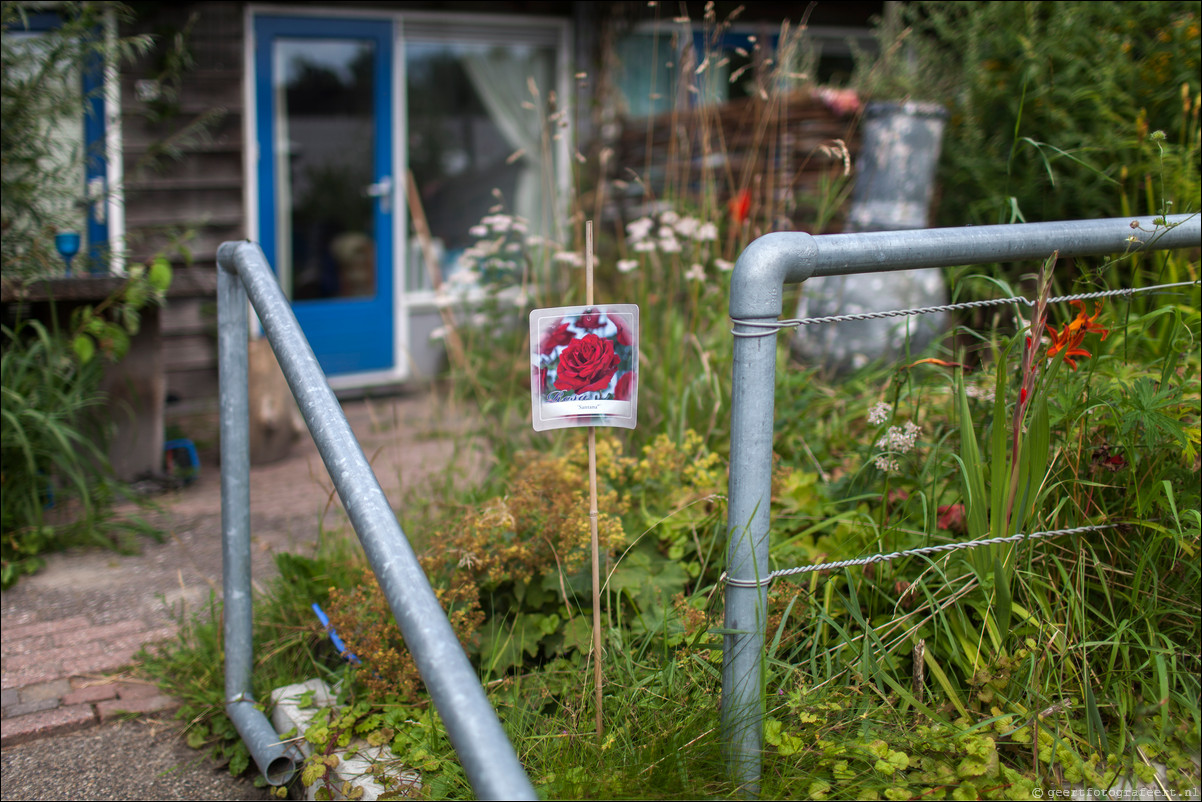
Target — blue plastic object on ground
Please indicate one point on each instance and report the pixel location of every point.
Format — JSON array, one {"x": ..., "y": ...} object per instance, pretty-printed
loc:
[
  {"x": 337, "y": 641},
  {"x": 188, "y": 468}
]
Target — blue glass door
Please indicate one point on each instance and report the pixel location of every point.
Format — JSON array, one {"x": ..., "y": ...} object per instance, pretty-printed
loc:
[{"x": 326, "y": 182}]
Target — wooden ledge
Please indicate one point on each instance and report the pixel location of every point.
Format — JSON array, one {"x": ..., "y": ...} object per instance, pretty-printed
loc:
[{"x": 185, "y": 283}]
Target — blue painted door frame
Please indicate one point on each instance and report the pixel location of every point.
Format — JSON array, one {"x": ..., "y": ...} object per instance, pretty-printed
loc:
[{"x": 351, "y": 331}]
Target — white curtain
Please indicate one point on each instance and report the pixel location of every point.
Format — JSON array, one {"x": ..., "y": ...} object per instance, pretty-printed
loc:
[{"x": 503, "y": 76}]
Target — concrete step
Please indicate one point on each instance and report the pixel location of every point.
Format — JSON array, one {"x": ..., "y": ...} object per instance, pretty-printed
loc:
[{"x": 355, "y": 767}]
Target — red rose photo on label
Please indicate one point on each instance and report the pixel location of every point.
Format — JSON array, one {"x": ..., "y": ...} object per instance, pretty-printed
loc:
[
  {"x": 587, "y": 364},
  {"x": 554, "y": 337},
  {"x": 584, "y": 366}
]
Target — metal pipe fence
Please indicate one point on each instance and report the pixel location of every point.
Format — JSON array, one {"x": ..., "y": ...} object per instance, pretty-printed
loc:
[
  {"x": 472, "y": 725},
  {"x": 756, "y": 298}
]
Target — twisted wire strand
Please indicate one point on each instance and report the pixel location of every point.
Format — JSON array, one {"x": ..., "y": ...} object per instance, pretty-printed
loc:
[
  {"x": 971, "y": 544},
  {"x": 769, "y": 328}
]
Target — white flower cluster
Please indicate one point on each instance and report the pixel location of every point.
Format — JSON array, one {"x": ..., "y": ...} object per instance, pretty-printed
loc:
[
  {"x": 984, "y": 391},
  {"x": 498, "y": 224},
  {"x": 896, "y": 440},
  {"x": 886, "y": 464},
  {"x": 670, "y": 234},
  {"x": 879, "y": 413},
  {"x": 900, "y": 439},
  {"x": 502, "y": 239},
  {"x": 499, "y": 242}
]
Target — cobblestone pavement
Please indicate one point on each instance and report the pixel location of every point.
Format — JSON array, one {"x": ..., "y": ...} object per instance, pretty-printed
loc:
[{"x": 69, "y": 630}]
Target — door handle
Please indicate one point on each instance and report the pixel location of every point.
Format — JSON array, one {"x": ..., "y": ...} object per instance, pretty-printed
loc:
[
  {"x": 382, "y": 189},
  {"x": 96, "y": 197}
]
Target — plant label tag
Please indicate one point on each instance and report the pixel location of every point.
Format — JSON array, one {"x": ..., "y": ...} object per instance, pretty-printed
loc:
[{"x": 584, "y": 366}]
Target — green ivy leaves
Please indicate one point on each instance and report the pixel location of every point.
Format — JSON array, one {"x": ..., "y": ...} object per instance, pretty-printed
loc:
[{"x": 108, "y": 326}]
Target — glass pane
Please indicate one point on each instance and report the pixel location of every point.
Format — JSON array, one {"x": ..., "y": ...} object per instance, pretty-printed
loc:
[
  {"x": 325, "y": 145},
  {"x": 475, "y": 132},
  {"x": 647, "y": 75},
  {"x": 53, "y": 162}
]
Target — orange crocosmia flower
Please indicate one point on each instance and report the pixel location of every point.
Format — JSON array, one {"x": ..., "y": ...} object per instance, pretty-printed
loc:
[
  {"x": 941, "y": 362},
  {"x": 1069, "y": 338},
  {"x": 740, "y": 206}
]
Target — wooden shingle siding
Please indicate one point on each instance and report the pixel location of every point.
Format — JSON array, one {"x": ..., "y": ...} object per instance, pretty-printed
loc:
[
  {"x": 194, "y": 197},
  {"x": 190, "y": 353},
  {"x": 180, "y": 180}
]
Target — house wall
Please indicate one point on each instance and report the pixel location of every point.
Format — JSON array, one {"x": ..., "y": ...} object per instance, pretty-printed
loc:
[
  {"x": 183, "y": 162},
  {"x": 182, "y": 110}
]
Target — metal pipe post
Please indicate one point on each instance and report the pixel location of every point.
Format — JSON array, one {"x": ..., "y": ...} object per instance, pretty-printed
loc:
[
  {"x": 756, "y": 287},
  {"x": 747, "y": 556},
  {"x": 277, "y": 763}
]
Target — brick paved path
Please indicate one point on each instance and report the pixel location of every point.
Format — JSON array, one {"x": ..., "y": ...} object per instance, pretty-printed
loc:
[
  {"x": 54, "y": 676},
  {"x": 69, "y": 629}
]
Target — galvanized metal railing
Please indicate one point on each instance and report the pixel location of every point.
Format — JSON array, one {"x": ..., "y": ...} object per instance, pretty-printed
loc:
[
  {"x": 472, "y": 726},
  {"x": 757, "y": 287}
]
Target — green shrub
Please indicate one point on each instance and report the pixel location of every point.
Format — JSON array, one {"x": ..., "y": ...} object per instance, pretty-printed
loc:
[
  {"x": 513, "y": 571},
  {"x": 49, "y": 455},
  {"x": 54, "y": 446},
  {"x": 1098, "y": 425},
  {"x": 1051, "y": 104}
]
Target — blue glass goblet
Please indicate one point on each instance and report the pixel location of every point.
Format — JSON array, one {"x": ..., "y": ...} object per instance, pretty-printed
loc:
[{"x": 67, "y": 244}]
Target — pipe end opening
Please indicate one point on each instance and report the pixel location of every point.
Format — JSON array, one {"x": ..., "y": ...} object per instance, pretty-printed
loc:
[{"x": 280, "y": 770}]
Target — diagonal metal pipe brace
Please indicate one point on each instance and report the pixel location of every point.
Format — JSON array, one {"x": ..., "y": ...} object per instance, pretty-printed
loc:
[
  {"x": 472, "y": 725},
  {"x": 756, "y": 291}
]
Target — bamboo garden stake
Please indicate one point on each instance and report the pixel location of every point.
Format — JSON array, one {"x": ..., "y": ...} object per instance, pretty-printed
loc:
[
  {"x": 592, "y": 502},
  {"x": 584, "y": 373}
]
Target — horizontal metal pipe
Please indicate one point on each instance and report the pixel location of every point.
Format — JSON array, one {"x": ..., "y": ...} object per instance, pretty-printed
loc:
[
  {"x": 472, "y": 726},
  {"x": 790, "y": 257}
]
